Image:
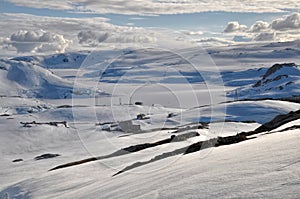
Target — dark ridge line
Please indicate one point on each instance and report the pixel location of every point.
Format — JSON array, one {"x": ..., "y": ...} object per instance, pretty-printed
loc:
[
  {"x": 73, "y": 163},
  {"x": 221, "y": 141},
  {"x": 71, "y": 106},
  {"x": 214, "y": 142},
  {"x": 279, "y": 121},
  {"x": 277, "y": 67},
  {"x": 156, "y": 158},
  {"x": 276, "y": 122},
  {"x": 294, "y": 127},
  {"x": 131, "y": 149},
  {"x": 204, "y": 125}
]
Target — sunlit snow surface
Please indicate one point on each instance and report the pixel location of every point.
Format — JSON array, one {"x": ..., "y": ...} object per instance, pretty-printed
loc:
[{"x": 75, "y": 88}]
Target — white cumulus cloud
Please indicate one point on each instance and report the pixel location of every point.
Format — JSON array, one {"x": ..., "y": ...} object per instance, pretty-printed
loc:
[
  {"x": 126, "y": 35},
  {"x": 289, "y": 22},
  {"x": 38, "y": 41},
  {"x": 285, "y": 28},
  {"x": 259, "y": 26},
  {"x": 265, "y": 36},
  {"x": 192, "y": 33},
  {"x": 234, "y": 26},
  {"x": 61, "y": 34}
]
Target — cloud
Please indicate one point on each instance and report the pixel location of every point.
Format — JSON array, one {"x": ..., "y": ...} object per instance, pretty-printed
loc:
[
  {"x": 192, "y": 33},
  {"x": 155, "y": 7},
  {"x": 289, "y": 22},
  {"x": 285, "y": 28},
  {"x": 93, "y": 38},
  {"x": 265, "y": 36},
  {"x": 61, "y": 25},
  {"x": 234, "y": 26},
  {"x": 38, "y": 41},
  {"x": 260, "y": 26},
  {"x": 4, "y": 41},
  {"x": 57, "y": 31},
  {"x": 285, "y": 23},
  {"x": 214, "y": 41}
]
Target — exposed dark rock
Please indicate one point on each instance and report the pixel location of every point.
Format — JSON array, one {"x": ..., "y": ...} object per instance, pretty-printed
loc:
[
  {"x": 183, "y": 137},
  {"x": 230, "y": 139},
  {"x": 65, "y": 106},
  {"x": 186, "y": 128},
  {"x": 214, "y": 142},
  {"x": 29, "y": 124},
  {"x": 279, "y": 77},
  {"x": 156, "y": 158},
  {"x": 132, "y": 149},
  {"x": 257, "y": 84},
  {"x": 289, "y": 83},
  {"x": 142, "y": 117},
  {"x": 272, "y": 70},
  {"x": 290, "y": 128},
  {"x": 74, "y": 163},
  {"x": 193, "y": 148},
  {"x": 277, "y": 67},
  {"x": 5, "y": 115},
  {"x": 220, "y": 141},
  {"x": 171, "y": 115},
  {"x": 278, "y": 121},
  {"x": 46, "y": 156},
  {"x": 18, "y": 160}
]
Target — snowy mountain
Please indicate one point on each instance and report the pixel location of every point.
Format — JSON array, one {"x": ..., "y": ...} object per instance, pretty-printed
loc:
[
  {"x": 31, "y": 80},
  {"x": 279, "y": 76},
  {"x": 278, "y": 81},
  {"x": 64, "y": 60},
  {"x": 148, "y": 125}
]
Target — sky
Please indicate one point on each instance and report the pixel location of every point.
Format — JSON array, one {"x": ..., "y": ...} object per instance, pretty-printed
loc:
[{"x": 57, "y": 26}]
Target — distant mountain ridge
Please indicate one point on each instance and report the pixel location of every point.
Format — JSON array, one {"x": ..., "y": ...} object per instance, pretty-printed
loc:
[
  {"x": 278, "y": 81},
  {"x": 29, "y": 79}
]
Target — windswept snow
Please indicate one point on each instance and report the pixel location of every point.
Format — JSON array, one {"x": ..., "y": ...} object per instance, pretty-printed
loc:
[
  {"x": 31, "y": 80},
  {"x": 69, "y": 107}
]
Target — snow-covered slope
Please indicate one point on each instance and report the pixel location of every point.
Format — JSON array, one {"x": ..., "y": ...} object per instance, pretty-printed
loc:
[
  {"x": 259, "y": 111},
  {"x": 278, "y": 81},
  {"x": 30, "y": 80},
  {"x": 258, "y": 51},
  {"x": 254, "y": 168},
  {"x": 177, "y": 151},
  {"x": 65, "y": 60}
]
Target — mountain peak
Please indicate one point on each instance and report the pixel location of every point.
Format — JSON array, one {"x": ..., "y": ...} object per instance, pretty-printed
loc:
[{"x": 277, "y": 67}]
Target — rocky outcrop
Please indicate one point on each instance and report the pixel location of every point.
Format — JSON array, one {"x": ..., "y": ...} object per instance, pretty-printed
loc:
[
  {"x": 276, "y": 68},
  {"x": 268, "y": 76},
  {"x": 279, "y": 121},
  {"x": 46, "y": 156}
]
